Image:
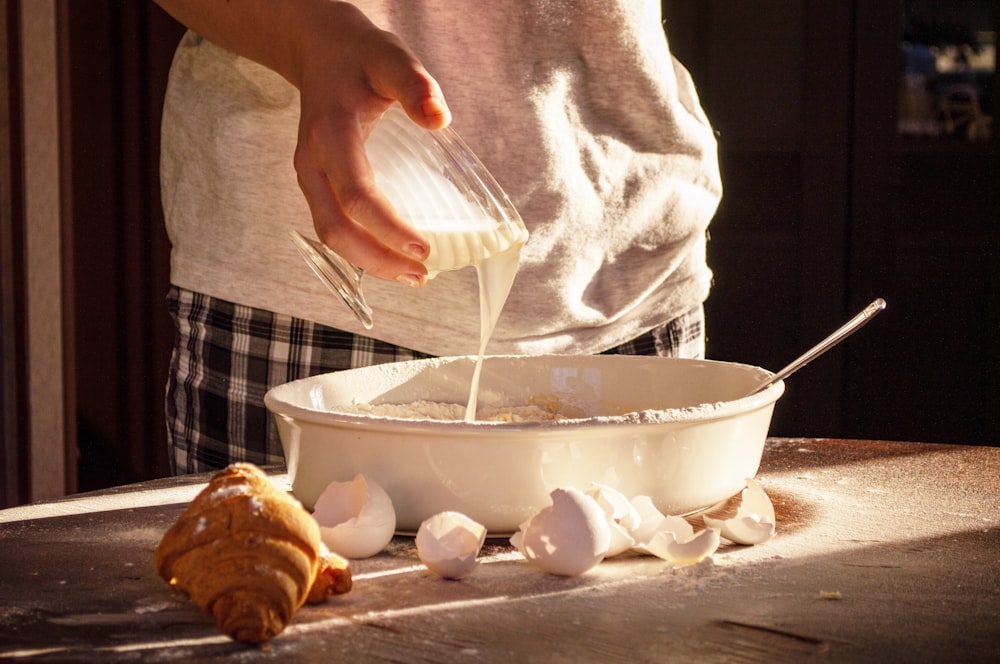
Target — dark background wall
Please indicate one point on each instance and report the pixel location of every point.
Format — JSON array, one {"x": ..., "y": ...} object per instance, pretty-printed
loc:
[{"x": 826, "y": 207}]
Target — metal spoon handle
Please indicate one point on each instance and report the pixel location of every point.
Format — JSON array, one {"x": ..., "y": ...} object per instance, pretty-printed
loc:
[{"x": 841, "y": 333}]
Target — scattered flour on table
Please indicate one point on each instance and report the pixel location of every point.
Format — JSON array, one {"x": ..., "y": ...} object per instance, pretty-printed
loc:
[{"x": 12, "y": 616}]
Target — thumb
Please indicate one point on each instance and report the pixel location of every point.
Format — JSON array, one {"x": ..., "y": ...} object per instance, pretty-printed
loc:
[
  {"x": 422, "y": 99},
  {"x": 431, "y": 112},
  {"x": 401, "y": 76}
]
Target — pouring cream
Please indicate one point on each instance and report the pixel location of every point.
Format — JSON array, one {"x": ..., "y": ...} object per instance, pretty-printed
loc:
[
  {"x": 494, "y": 250},
  {"x": 438, "y": 185},
  {"x": 496, "y": 274}
]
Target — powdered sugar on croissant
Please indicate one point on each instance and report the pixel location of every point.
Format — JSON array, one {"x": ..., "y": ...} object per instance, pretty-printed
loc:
[{"x": 249, "y": 555}]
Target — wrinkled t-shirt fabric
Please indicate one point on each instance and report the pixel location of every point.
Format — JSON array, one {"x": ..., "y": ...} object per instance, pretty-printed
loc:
[{"x": 577, "y": 108}]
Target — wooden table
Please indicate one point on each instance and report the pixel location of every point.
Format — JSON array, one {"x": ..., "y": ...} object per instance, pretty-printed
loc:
[{"x": 885, "y": 552}]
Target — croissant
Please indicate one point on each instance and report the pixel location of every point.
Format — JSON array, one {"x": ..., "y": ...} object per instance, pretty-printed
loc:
[{"x": 249, "y": 554}]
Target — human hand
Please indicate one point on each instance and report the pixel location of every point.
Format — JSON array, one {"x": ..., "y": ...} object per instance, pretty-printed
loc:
[
  {"x": 346, "y": 83},
  {"x": 347, "y": 71}
]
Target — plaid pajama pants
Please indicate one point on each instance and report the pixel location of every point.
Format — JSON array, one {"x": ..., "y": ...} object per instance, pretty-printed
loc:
[{"x": 227, "y": 356}]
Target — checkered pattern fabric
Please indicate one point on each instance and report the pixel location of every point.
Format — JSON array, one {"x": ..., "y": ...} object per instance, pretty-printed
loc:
[{"x": 227, "y": 356}]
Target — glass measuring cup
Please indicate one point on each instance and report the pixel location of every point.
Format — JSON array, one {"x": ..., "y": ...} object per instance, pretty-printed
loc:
[{"x": 440, "y": 187}]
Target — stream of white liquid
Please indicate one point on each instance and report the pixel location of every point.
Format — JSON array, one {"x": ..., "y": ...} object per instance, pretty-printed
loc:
[{"x": 495, "y": 252}]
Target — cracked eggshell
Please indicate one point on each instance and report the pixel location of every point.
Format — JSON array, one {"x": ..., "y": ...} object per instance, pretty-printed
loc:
[
  {"x": 675, "y": 545},
  {"x": 567, "y": 538},
  {"x": 448, "y": 543},
  {"x": 622, "y": 517},
  {"x": 754, "y": 522},
  {"x": 672, "y": 538},
  {"x": 649, "y": 519},
  {"x": 356, "y": 519}
]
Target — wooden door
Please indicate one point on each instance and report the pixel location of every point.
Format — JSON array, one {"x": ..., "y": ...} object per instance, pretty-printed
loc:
[{"x": 117, "y": 55}]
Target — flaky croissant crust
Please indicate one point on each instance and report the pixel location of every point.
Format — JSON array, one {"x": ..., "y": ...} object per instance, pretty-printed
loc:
[{"x": 249, "y": 555}]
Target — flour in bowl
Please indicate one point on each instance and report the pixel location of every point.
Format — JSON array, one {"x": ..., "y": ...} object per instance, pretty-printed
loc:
[{"x": 433, "y": 410}]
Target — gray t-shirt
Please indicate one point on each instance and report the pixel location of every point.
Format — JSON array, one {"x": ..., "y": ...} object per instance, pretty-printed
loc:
[{"x": 577, "y": 108}]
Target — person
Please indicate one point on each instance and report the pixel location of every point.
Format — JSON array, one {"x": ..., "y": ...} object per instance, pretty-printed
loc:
[{"x": 578, "y": 109}]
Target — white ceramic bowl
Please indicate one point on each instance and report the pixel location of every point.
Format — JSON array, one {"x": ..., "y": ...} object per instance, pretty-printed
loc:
[{"x": 679, "y": 431}]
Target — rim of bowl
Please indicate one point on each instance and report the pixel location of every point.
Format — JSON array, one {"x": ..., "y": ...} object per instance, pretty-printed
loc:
[{"x": 700, "y": 413}]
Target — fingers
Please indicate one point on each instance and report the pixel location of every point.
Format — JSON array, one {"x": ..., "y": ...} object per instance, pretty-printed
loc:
[
  {"x": 399, "y": 75},
  {"x": 353, "y": 218},
  {"x": 350, "y": 214}
]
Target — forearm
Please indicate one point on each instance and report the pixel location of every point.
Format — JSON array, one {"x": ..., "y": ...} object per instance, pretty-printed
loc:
[{"x": 275, "y": 33}]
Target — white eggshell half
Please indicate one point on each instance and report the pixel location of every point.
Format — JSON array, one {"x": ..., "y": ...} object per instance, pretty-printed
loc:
[
  {"x": 567, "y": 538},
  {"x": 622, "y": 517},
  {"x": 754, "y": 522},
  {"x": 448, "y": 543},
  {"x": 356, "y": 519}
]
